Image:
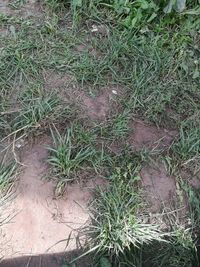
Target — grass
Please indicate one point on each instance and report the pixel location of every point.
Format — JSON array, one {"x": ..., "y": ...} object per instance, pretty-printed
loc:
[
  {"x": 118, "y": 225},
  {"x": 156, "y": 66},
  {"x": 67, "y": 156},
  {"x": 35, "y": 112},
  {"x": 117, "y": 127},
  {"x": 188, "y": 146},
  {"x": 7, "y": 175},
  {"x": 194, "y": 203}
]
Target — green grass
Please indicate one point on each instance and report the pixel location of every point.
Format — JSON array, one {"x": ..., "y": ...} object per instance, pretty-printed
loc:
[
  {"x": 35, "y": 113},
  {"x": 117, "y": 221},
  {"x": 7, "y": 175},
  {"x": 116, "y": 127},
  {"x": 155, "y": 64},
  {"x": 188, "y": 146},
  {"x": 67, "y": 156}
]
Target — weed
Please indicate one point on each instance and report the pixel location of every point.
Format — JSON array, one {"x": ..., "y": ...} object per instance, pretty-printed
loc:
[
  {"x": 180, "y": 251},
  {"x": 194, "y": 203},
  {"x": 17, "y": 64},
  {"x": 116, "y": 127},
  {"x": 187, "y": 149},
  {"x": 155, "y": 58},
  {"x": 66, "y": 156},
  {"x": 17, "y": 4},
  {"x": 117, "y": 224},
  {"x": 188, "y": 146},
  {"x": 84, "y": 135},
  {"x": 35, "y": 113}
]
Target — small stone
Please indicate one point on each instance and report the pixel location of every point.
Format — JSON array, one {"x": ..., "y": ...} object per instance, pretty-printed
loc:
[{"x": 94, "y": 28}]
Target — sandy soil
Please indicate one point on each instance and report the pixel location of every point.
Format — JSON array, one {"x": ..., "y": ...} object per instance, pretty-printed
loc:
[{"x": 40, "y": 220}]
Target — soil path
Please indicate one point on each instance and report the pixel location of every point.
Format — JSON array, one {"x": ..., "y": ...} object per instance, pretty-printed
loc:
[{"x": 40, "y": 220}]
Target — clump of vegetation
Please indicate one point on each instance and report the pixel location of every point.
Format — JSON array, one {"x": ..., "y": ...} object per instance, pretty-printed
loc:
[
  {"x": 136, "y": 14},
  {"x": 150, "y": 49},
  {"x": 117, "y": 221},
  {"x": 67, "y": 156},
  {"x": 7, "y": 175},
  {"x": 36, "y": 113}
]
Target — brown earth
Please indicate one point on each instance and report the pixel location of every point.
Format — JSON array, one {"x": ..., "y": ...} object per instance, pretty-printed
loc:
[
  {"x": 43, "y": 224},
  {"x": 149, "y": 136},
  {"x": 160, "y": 188},
  {"x": 47, "y": 260},
  {"x": 95, "y": 107},
  {"x": 31, "y": 8}
]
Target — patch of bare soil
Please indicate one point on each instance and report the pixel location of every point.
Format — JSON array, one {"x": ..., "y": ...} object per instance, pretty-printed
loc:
[
  {"x": 160, "y": 188},
  {"x": 150, "y": 137},
  {"x": 195, "y": 182},
  {"x": 192, "y": 178},
  {"x": 47, "y": 260},
  {"x": 57, "y": 82},
  {"x": 41, "y": 222},
  {"x": 101, "y": 106},
  {"x": 95, "y": 107},
  {"x": 31, "y": 8}
]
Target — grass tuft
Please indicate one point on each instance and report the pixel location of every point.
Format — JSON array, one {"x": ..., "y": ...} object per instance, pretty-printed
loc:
[
  {"x": 117, "y": 223},
  {"x": 7, "y": 175},
  {"x": 67, "y": 157}
]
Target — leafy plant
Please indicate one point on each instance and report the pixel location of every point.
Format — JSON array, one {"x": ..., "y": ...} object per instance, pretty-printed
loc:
[
  {"x": 194, "y": 203},
  {"x": 134, "y": 13},
  {"x": 180, "y": 251},
  {"x": 104, "y": 262},
  {"x": 117, "y": 127}
]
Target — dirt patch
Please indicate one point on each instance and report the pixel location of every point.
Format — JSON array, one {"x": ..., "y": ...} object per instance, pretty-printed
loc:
[
  {"x": 48, "y": 260},
  {"x": 57, "y": 82},
  {"x": 191, "y": 178},
  {"x": 101, "y": 106},
  {"x": 160, "y": 188},
  {"x": 195, "y": 182},
  {"x": 150, "y": 137},
  {"x": 95, "y": 107},
  {"x": 40, "y": 220},
  {"x": 31, "y": 8}
]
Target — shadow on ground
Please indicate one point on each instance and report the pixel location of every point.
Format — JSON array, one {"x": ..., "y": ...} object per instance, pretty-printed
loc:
[{"x": 47, "y": 260}]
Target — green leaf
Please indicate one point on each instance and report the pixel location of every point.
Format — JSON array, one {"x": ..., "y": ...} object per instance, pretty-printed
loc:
[
  {"x": 152, "y": 17},
  {"x": 133, "y": 22},
  {"x": 144, "y": 5},
  {"x": 194, "y": 11}
]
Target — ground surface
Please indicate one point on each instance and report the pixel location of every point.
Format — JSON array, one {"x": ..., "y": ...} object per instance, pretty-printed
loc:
[
  {"x": 43, "y": 223},
  {"x": 137, "y": 111}
]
